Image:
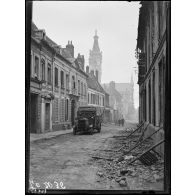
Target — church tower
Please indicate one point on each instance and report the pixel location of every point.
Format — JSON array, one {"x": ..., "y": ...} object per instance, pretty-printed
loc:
[{"x": 95, "y": 59}]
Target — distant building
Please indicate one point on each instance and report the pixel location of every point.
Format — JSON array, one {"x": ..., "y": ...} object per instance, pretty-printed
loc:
[
  {"x": 127, "y": 92},
  {"x": 95, "y": 59},
  {"x": 57, "y": 84},
  {"x": 96, "y": 94},
  {"x": 115, "y": 100},
  {"x": 153, "y": 46}
]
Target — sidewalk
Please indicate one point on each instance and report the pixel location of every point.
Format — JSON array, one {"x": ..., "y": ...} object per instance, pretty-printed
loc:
[{"x": 48, "y": 135}]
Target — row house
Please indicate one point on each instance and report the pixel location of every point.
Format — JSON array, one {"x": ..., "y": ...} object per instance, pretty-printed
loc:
[
  {"x": 57, "y": 85},
  {"x": 96, "y": 94},
  {"x": 153, "y": 66}
]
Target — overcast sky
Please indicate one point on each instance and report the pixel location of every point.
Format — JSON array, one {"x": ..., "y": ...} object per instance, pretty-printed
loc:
[{"x": 116, "y": 24}]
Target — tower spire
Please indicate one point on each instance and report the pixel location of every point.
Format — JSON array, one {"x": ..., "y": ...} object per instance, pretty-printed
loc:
[
  {"x": 95, "y": 43},
  {"x": 95, "y": 58}
]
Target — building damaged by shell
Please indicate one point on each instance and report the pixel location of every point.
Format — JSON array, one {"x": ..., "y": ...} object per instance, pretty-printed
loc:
[{"x": 153, "y": 47}]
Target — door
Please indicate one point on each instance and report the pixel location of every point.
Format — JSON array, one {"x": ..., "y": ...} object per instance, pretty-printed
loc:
[
  {"x": 47, "y": 117},
  {"x": 33, "y": 113},
  {"x": 72, "y": 111}
]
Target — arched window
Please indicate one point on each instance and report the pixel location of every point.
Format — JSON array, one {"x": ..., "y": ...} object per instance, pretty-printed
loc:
[{"x": 43, "y": 69}]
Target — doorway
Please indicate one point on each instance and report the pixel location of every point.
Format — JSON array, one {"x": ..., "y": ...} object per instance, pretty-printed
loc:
[
  {"x": 33, "y": 112},
  {"x": 72, "y": 112},
  {"x": 47, "y": 116}
]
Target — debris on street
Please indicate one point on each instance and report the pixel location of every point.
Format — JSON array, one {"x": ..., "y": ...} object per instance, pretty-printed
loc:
[{"x": 147, "y": 166}]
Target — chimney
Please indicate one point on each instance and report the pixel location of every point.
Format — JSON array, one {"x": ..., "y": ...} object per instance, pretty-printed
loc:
[
  {"x": 81, "y": 60},
  {"x": 96, "y": 74},
  {"x": 70, "y": 48},
  {"x": 87, "y": 69}
]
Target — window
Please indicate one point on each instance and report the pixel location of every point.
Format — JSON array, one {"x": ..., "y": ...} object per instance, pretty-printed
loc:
[
  {"x": 85, "y": 91},
  {"x": 49, "y": 73},
  {"x": 36, "y": 67},
  {"x": 56, "y": 77},
  {"x": 66, "y": 108},
  {"x": 79, "y": 87},
  {"x": 73, "y": 82},
  {"x": 43, "y": 69},
  {"x": 31, "y": 65},
  {"x": 62, "y": 79},
  {"x": 67, "y": 82}
]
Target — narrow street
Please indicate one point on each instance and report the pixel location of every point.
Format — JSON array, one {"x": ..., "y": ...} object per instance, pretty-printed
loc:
[{"x": 71, "y": 159}]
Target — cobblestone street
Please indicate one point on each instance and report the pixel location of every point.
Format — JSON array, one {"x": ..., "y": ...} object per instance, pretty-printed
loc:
[{"x": 67, "y": 160}]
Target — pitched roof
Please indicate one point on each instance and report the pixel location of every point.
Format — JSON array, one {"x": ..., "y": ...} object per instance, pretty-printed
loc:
[
  {"x": 64, "y": 52},
  {"x": 94, "y": 84}
]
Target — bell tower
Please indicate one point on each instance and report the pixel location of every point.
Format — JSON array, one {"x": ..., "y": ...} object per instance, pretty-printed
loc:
[{"x": 95, "y": 58}]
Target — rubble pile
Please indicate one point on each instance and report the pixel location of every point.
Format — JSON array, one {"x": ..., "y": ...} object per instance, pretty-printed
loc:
[{"x": 115, "y": 164}]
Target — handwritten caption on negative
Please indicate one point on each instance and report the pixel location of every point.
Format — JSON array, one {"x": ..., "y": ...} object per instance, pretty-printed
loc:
[{"x": 42, "y": 187}]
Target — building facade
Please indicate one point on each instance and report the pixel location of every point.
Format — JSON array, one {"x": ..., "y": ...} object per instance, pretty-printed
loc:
[
  {"x": 115, "y": 100},
  {"x": 95, "y": 59},
  {"x": 58, "y": 84},
  {"x": 152, "y": 65},
  {"x": 127, "y": 92},
  {"x": 96, "y": 94}
]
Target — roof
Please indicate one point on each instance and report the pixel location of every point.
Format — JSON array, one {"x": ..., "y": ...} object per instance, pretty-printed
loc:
[
  {"x": 94, "y": 84},
  {"x": 65, "y": 54}
]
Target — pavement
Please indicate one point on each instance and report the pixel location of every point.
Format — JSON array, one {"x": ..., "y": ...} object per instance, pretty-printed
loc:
[{"x": 48, "y": 135}]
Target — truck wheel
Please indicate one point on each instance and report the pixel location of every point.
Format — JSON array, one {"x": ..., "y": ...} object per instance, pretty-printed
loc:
[{"x": 99, "y": 129}]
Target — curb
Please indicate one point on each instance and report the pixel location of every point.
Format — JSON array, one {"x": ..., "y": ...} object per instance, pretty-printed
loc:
[{"x": 51, "y": 136}]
